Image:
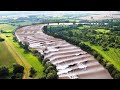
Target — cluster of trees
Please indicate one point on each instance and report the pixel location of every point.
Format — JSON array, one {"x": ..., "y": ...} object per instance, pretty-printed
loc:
[
  {"x": 75, "y": 39},
  {"x": 115, "y": 28},
  {"x": 17, "y": 72},
  {"x": 50, "y": 70},
  {"x": 52, "y": 29},
  {"x": 2, "y": 39}
]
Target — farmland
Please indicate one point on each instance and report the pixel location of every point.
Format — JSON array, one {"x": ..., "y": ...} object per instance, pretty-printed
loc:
[{"x": 6, "y": 58}]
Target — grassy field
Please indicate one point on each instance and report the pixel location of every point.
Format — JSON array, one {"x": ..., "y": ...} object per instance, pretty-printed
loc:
[
  {"x": 6, "y": 58},
  {"x": 113, "y": 55},
  {"x": 16, "y": 54},
  {"x": 7, "y": 27},
  {"x": 102, "y": 30},
  {"x": 84, "y": 26}
]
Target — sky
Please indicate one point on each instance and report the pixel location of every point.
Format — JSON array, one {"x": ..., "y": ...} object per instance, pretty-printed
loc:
[{"x": 24, "y": 13}]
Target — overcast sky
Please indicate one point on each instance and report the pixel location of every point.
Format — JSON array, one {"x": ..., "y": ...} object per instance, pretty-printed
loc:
[{"x": 6, "y": 13}]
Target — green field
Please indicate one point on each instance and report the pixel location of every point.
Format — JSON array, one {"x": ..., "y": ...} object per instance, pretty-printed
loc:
[
  {"x": 84, "y": 26},
  {"x": 113, "y": 55},
  {"x": 7, "y": 27},
  {"x": 12, "y": 52},
  {"x": 6, "y": 58},
  {"x": 102, "y": 30}
]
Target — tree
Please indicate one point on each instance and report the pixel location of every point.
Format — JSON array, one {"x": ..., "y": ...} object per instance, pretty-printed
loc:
[
  {"x": 117, "y": 76},
  {"x": 32, "y": 71},
  {"x": 48, "y": 64},
  {"x": 35, "y": 51},
  {"x": 1, "y": 39},
  {"x": 14, "y": 38},
  {"x": 19, "y": 76},
  {"x": 70, "y": 33},
  {"x": 20, "y": 43},
  {"x": 43, "y": 77},
  {"x": 95, "y": 54},
  {"x": 80, "y": 25},
  {"x": 49, "y": 68},
  {"x": 110, "y": 67},
  {"x": 4, "y": 71},
  {"x": 44, "y": 62},
  {"x": 25, "y": 46},
  {"x": 50, "y": 76},
  {"x": 2, "y": 31},
  {"x": 114, "y": 72},
  {"x": 55, "y": 73},
  {"x": 99, "y": 58},
  {"x": 18, "y": 68},
  {"x": 106, "y": 49}
]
